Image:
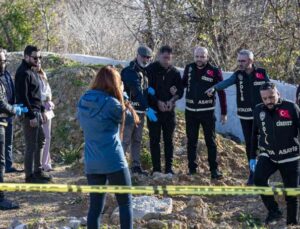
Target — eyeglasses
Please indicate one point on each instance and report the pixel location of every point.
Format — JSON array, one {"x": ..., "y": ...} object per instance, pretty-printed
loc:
[
  {"x": 147, "y": 57},
  {"x": 36, "y": 57}
]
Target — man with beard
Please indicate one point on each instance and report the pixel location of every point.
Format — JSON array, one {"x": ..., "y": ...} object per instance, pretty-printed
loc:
[
  {"x": 276, "y": 127},
  {"x": 248, "y": 79},
  {"x": 165, "y": 79},
  {"x": 28, "y": 93},
  {"x": 135, "y": 82},
  {"x": 200, "y": 108},
  {"x": 7, "y": 82}
]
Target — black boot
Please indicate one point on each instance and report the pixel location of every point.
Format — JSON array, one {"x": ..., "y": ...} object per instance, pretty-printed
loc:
[
  {"x": 273, "y": 217},
  {"x": 138, "y": 170},
  {"x": 216, "y": 175},
  {"x": 250, "y": 181}
]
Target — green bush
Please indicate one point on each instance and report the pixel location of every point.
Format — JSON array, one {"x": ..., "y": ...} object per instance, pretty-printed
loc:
[{"x": 69, "y": 156}]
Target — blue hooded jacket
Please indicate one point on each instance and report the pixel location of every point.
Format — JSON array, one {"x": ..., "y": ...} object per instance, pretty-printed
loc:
[{"x": 100, "y": 115}]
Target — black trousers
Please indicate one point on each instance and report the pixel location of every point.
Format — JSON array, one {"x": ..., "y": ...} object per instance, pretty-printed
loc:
[
  {"x": 166, "y": 124},
  {"x": 207, "y": 121},
  {"x": 289, "y": 172},
  {"x": 2, "y": 157},
  {"x": 247, "y": 131}
]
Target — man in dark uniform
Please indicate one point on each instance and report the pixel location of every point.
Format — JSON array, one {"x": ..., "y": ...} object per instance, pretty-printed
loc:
[
  {"x": 165, "y": 79},
  {"x": 200, "y": 109},
  {"x": 7, "y": 82},
  {"x": 248, "y": 79},
  {"x": 6, "y": 111},
  {"x": 135, "y": 82},
  {"x": 276, "y": 127}
]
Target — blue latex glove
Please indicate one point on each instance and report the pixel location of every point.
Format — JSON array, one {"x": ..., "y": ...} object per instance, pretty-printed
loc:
[
  {"x": 151, "y": 115},
  {"x": 125, "y": 95},
  {"x": 252, "y": 164},
  {"x": 19, "y": 109},
  {"x": 151, "y": 91}
]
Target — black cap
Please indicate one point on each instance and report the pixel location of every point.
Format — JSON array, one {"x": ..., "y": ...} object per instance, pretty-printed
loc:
[{"x": 144, "y": 51}]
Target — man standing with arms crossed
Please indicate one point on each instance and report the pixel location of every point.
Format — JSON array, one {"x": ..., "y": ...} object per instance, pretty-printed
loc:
[
  {"x": 200, "y": 109},
  {"x": 248, "y": 79}
]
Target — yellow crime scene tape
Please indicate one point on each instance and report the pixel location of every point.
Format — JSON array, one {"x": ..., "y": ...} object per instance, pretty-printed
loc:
[{"x": 150, "y": 190}]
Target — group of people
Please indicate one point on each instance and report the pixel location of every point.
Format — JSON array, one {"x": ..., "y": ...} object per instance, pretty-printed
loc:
[
  {"x": 112, "y": 114},
  {"x": 29, "y": 97}
]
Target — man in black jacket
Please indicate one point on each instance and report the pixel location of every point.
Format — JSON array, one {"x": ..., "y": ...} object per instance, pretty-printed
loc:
[
  {"x": 135, "y": 82},
  {"x": 28, "y": 93},
  {"x": 163, "y": 78},
  {"x": 6, "y": 111},
  {"x": 247, "y": 79},
  {"x": 276, "y": 127},
  {"x": 6, "y": 80},
  {"x": 198, "y": 77}
]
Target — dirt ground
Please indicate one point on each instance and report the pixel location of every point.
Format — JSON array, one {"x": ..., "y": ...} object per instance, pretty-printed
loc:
[{"x": 53, "y": 207}]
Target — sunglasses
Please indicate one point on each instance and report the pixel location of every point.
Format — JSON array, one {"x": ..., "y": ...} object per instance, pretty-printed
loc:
[
  {"x": 36, "y": 57},
  {"x": 147, "y": 57}
]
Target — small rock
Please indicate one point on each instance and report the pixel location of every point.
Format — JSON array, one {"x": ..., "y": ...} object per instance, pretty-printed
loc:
[
  {"x": 75, "y": 224},
  {"x": 83, "y": 221},
  {"x": 172, "y": 224},
  {"x": 15, "y": 223},
  {"x": 239, "y": 149},
  {"x": 21, "y": 226},
  {"x": 143, "y": 205},
  {"x": 156, "y": 224},
  {"x": 151, "y": 215}
]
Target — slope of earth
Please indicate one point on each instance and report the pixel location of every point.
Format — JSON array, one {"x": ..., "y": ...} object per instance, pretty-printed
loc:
[{"x": 68, "y": 81}]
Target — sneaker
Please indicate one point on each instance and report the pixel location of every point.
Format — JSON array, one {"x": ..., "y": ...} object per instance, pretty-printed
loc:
[
  {"x": 43, "y": 176},
  {"x": 250, "y": 181},
  {"x": 273, "y": 217},
  {"x": 138, "y": 170},
  {"x": 6, "y": 204},
  {"x": 216, "y": 175}
]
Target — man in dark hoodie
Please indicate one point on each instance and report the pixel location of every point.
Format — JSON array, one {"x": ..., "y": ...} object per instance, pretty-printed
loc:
[
  {"x": 165, "y": 79},
  {"x": 28, "y": 93},
  {"x": 135, "y": 82}
]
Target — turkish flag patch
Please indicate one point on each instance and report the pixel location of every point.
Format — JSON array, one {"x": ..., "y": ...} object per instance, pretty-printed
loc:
[
  {"x": 210, "y": 73},
  {"x": 284, "y": 114},
  {"x": 259, "y": 76}
]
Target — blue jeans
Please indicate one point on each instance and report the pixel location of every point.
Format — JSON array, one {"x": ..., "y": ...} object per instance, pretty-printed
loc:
[
  {"x": 9, "y": 144},
  {"x": 97, "y": 200}
]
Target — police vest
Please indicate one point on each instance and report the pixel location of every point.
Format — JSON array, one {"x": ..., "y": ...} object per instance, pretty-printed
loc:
[
  {"x": 196, "y": 98},
  {"x": 248, "y": 95},
  {"x": 278, "y": 132}
]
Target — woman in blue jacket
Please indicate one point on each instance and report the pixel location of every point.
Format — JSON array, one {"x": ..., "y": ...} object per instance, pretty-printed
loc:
[{"x": 101, "y": 113}]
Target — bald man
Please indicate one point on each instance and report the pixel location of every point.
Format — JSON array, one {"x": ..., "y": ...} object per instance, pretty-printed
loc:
[{"x": 198, "y": 77}]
